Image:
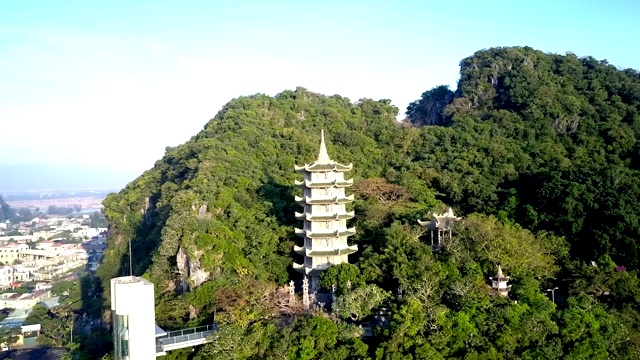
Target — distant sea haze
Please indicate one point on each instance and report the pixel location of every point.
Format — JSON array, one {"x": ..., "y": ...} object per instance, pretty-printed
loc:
[{"x": 40, "y": 178}]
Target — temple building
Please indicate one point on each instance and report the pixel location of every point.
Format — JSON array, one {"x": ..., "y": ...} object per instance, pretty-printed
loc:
[
  {"x": 440, "y": 227},
  {"x": 324, "y": 217},
  {"x": 499, "y": 283}
]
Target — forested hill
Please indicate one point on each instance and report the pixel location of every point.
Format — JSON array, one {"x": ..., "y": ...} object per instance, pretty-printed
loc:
[
  {"x": 550, "y": 141},
  {"x": 536, "y": 151}
]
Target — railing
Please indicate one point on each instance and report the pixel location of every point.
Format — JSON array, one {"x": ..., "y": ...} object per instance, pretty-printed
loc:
[{"x": 185, "y": 337}]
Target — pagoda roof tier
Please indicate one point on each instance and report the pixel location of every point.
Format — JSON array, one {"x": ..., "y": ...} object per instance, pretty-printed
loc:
[
  {"x": 323, "y": 184},
  {"x": 306, "y": 270},
  {"x": 440, "y": 221},
  {"x": 311, "y": 253},
  {"x": 337, "y": 233},
  {"x": 323, "y": 167},
  {"x": 324, "y": 200},
  {"x": 324, "y": 217}
]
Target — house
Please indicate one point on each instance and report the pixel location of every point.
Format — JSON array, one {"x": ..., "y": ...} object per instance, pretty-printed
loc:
[{"x": 23, "y": 301}]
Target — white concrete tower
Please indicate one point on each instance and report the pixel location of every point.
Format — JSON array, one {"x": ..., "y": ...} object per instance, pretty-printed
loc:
[
  {"x": 134, "y": 323},
  {"x": 324, "y": 230}
]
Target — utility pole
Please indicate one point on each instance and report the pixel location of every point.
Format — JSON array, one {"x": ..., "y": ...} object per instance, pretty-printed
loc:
[{"x": 130, "y": 260}]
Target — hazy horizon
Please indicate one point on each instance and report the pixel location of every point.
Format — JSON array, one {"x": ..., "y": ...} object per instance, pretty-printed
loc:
[{"x": 29, "y": 177}]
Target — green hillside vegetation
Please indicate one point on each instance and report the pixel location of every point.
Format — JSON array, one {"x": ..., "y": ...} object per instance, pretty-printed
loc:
[{"x": 536, "y": 151}]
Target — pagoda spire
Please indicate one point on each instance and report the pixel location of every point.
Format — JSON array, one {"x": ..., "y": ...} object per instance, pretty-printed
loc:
[{"x": 323, "y": 156}]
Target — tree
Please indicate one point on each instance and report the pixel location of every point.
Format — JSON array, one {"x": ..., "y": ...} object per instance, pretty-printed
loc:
[
  {"x": 9, "y": 336},
  {"x": 37, "y": 315},
  {"x": 380, "y": 190},
  {"x": 56, "y": 329},
  {"x": 429, "y": 109},
  {"x": 344, "y": 276},
  {"x": 359, "y": 303},
  {"x": 515, "y": 249},
  {"x": 62, "y": 287}
]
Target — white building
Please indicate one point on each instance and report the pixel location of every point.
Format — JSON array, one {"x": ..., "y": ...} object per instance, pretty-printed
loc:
[
  {"x": 23, "y": 301},
  {"x": 11, "y": 252},
  {"x": 134, "y": 329},
  {"x": 88, "y": 232},
  {"x": 6, "y": 276}
]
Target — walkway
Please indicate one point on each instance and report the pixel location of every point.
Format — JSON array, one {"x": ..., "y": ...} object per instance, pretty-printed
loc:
[{"x": 184, "y": 338}]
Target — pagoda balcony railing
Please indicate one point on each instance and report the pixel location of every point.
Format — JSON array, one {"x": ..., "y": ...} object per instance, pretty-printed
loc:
[
  {"x": 324, "y": 200},
  {"x": 325, "y": 251},
  {"x": 308, "y": 270},
  {"x": 324, "y": 183},
  {"x": 325, "y": 234},
  {"x": 324, "y": 216}
]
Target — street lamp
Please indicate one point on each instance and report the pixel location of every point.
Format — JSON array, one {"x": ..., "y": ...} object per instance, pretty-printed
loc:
[{"x": 553, "y": 295}]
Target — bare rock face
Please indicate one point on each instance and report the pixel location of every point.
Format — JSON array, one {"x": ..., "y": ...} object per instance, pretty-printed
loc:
[
  {"x": 202, "y": 211},
  {"x": 191, "y": 274},
  {"x": 196, "y": 274},
  {"x": 193, "y": 312},
  {"x": 182, "y": 261}
]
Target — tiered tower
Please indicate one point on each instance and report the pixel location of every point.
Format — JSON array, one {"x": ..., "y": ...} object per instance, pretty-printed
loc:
[
  {"x": 499, "y": 283},
  {"x": 324, "y": 217}
]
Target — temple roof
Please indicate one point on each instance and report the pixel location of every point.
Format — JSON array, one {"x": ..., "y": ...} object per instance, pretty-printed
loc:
[
  {"x": 323, "y": 162},
  {"x": 328, "y": 234},
  {"x": 500, "y": 276},
  {"x": 324, "y": 217},
  {"x": 311, "y": 253},
  {"x": 326, "y": 200},
  {"x": 321, "y": 184},
  {"x": 440, "y": 221}
]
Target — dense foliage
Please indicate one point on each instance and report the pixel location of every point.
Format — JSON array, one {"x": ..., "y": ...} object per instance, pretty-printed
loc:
[{"x": 537, "y": 151}]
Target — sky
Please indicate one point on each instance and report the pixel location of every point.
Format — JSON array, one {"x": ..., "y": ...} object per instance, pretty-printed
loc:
[{"x": 110, "y": 84}]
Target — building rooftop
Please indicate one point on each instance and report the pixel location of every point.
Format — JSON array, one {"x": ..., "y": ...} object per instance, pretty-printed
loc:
[
  {"x": 131, "y": 280},
  {"x": 51, "y": 302},
  {"x": 15, "y": 318}
]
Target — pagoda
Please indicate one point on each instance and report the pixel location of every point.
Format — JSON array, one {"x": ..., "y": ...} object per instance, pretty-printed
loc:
[
  {"x": 440, "y": 227},
  {"x": 499, "y": 283},
  {"x": 324, "y": 217}
]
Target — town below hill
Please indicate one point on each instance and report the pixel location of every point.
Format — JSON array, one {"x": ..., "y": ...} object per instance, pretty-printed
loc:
[
  {"x": 45, "y": 265},
  {"x": 55, "y": 202}
]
